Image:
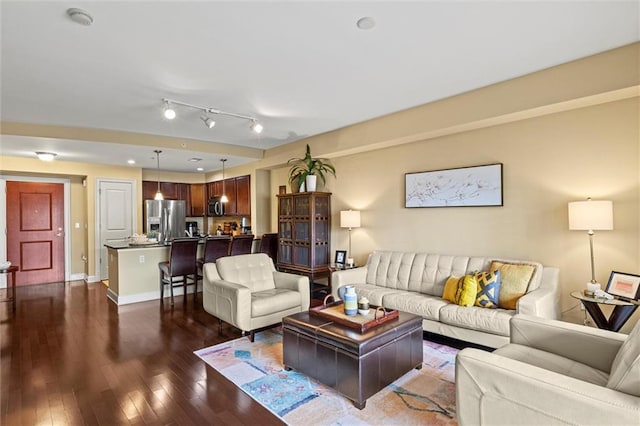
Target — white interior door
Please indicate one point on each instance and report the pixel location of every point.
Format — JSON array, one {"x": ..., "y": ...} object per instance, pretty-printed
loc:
[{"x": 116, "y": 217}]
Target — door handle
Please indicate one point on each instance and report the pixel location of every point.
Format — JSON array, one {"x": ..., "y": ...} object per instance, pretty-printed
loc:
[{"x": 60, "y": 234}]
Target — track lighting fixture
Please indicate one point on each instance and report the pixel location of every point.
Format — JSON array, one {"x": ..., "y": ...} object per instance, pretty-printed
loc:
[
  {"x": 256, "y": 127},
  {"x": 208, "y": 121},
  {"x": 170, "y": 114}
]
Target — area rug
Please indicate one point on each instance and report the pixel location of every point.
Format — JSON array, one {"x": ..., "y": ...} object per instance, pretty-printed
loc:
[{"x": 425, "y": 396}]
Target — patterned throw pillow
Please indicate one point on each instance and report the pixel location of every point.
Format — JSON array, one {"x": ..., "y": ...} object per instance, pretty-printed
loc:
[
  {"x": 488, "y": 289},
  {"x": 515, "y": 279},
  {"x": 461, "y": 291}
]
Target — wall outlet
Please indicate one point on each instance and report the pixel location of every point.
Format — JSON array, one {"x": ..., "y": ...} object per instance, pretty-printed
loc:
[{"x": 141, "y": 259}]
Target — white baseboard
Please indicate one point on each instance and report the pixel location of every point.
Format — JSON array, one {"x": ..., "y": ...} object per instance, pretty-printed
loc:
[
  {"x": 93, "y": 279},
  {"x": 141, "y": 297},
  {"x": 78, "y": 277}
]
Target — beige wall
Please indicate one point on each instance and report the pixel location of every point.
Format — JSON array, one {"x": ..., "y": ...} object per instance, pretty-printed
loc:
[{"x": 82, "y": 198}]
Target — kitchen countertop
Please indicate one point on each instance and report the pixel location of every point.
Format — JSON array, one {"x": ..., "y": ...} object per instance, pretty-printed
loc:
[{"x": 124, "y": 244}]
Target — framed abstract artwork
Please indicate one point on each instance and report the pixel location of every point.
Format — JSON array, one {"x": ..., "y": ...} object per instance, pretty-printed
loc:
[
  {"x": 623, "y": 285},
  {"x": 461, "y": 187}
]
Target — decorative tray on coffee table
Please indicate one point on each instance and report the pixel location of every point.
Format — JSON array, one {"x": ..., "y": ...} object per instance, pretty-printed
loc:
[{"x": 334, "y": 311}]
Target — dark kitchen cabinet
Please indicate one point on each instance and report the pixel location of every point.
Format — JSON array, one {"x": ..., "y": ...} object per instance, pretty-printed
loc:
[
  {"x": 197, "y": 199},
  {"x": 243, "y": 195}
]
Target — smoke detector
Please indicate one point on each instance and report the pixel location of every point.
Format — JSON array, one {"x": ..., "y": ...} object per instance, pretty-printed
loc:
[{"x": 80, "y": 16}]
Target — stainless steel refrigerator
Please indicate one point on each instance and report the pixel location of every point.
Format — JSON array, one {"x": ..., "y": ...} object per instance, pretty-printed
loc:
[{"x": 166, "y": 217}]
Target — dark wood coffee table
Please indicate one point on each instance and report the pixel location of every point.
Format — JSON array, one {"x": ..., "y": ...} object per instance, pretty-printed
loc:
[{"x": 355, "y": 364}]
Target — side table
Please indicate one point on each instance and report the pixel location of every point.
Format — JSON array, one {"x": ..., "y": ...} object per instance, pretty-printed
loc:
[
  {"x": 10, "y": 272},
  {"x": 622, "y": 310}
]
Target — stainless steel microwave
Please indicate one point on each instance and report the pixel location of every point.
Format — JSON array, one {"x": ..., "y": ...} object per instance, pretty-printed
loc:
[{"x": 215, "y": 207}]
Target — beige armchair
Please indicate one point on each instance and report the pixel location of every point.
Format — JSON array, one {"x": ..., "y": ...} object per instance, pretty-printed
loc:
[
  {"x": 247, "y": 292},
  {"x": 552, "y": 372}
]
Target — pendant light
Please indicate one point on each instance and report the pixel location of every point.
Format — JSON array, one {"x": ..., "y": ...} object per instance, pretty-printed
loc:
[
  {"x": 224, "y": 198},
  {"x": 159, "y": 195}
]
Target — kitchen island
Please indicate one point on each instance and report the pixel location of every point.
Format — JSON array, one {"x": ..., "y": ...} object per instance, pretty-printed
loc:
[{"x": 133, "y": 270}]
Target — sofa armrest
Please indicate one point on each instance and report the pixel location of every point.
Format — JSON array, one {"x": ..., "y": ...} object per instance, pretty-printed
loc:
[
  {"x": 543, "y": 301},
  {"x": 299, "y": 283},
  {"x": 591, "y": 346},
  {"x": 346, "y": 277},
  {"x": 491, "y": 389}
]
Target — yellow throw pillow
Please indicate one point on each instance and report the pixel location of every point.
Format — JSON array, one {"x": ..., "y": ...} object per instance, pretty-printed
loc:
[
  {"x": 515, "y": 280},
  {"x": 450, "y": 288},
  {"x": 467, "y": 291},
  {"x": 461, "y": 291}
]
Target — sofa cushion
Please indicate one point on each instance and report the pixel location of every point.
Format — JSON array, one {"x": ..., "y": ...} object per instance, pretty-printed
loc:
[
  {"x": 254, "y": 271},
  {"x": 552, "y": 362},
  {"x": 389, "y": 269},
  {"x": 625, "y": 370},
  {"x": 270, "y": 301},
  {"x": 417, "y": 303},
  {"x": 495, "y": 321},
  {"x": 515, "y": 279},
  {"x": 488, "y": 289},
  {"x": 373, "y": 292}
]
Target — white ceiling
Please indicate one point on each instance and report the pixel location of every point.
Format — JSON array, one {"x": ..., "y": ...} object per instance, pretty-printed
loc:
[{"x": 300, "y": 67}]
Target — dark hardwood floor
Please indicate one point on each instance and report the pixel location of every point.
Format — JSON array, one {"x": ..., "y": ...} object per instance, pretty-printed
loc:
[{"x": 69, "y": 356}]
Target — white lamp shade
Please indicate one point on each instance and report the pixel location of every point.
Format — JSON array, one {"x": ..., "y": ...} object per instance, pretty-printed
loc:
[
  {"x": 591, "y": 215},
  {"x": 350, "y": 219}
]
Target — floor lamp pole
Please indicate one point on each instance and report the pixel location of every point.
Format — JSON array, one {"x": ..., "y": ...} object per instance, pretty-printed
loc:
[
  {"x": 350, "y": 243},
  {"x": 593, "y": 269}
]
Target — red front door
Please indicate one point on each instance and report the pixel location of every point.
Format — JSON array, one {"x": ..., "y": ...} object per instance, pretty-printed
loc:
[{"x": 35, "y": 231}]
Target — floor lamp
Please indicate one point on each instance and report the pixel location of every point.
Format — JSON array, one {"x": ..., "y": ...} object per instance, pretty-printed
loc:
[
  {"x": 591, "y": 216},
  {"x": 350, "y": 219}
]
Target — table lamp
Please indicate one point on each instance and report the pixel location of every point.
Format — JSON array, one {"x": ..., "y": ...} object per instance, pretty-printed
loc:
[
  {"x": 350, "y": 219},
  {"x": 591, "y": 216}
]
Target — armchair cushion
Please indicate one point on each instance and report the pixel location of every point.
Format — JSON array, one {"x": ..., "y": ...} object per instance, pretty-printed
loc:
[
  {"x": 251, "y": 270},
  {"x": 625, "y": 370},
  {"x": 267, "y": 302},
  {"x": 553, "y": 362}
]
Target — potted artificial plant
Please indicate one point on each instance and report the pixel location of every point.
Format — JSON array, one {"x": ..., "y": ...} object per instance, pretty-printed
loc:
[{"x": 306, "y": 170}]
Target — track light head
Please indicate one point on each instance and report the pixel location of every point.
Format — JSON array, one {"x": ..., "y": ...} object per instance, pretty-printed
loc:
[
  {"x": 256, "y": 127},
  {"x": 208, "y": 121},
  {"x": 169, "y": 113}
]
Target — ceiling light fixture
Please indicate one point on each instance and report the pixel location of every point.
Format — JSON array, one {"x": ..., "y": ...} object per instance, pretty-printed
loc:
[
  {"x": 224, "y": 198},
  {"x": 131, "y": 161},
  {"x": 170, "y": 114},
  {"x": 46, "y": 156},
  {"x": 80, "y": 16},
  {"x": 159, "y": 195}
]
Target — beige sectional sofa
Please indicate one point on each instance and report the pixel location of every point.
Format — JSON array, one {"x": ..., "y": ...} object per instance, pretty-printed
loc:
[{"x": 414, "y": 282}]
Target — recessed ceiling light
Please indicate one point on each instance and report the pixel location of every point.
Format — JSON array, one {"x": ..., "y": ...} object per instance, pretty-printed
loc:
[
  {"x": 195, "y": 159},
  {"x": 200, "y": 169},
  {"x": 80, "y": 16},
  {"x": 366, "y": 23},
  {"x": 131, "y": 161}
]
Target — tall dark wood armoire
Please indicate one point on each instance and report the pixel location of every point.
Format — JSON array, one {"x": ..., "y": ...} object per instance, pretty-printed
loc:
[{"x": 304, "y": 234}]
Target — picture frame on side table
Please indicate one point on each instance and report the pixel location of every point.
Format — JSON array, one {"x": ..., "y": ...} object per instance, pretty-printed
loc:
[
  {"x": 624, "y": 285},
  {"x": 341, "y": 258}
]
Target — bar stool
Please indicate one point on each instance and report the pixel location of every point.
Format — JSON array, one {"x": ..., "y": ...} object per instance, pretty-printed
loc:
[
  {"x": 214, "y": 248},
  {"x": 182, "y": 263},
  {"x": 240, "y": 244},
  {"x": 269, "y": 245}
]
